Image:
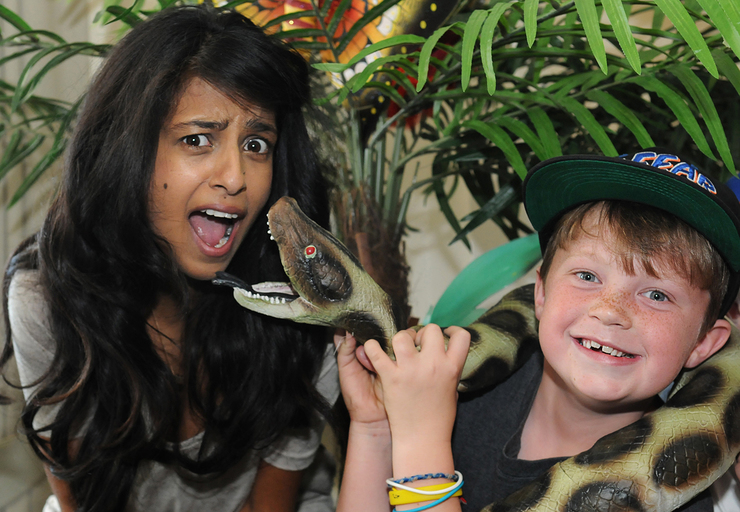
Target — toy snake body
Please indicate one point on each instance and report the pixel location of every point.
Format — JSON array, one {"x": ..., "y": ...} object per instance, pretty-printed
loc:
[{"x": 656, "y": 464}]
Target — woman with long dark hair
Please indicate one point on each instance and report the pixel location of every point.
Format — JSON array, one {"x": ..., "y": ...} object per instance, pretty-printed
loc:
[{"x": 147, "y": 387}]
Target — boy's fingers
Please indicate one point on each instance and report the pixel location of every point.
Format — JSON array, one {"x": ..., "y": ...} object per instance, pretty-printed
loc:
[
  {"x": 364, "y": 360},
  {"x": 459, "y": 343},
  {"x": 403, "y": 344},
  {"x": 431, "y": 335},
  {"x": 376, "y": 357}
]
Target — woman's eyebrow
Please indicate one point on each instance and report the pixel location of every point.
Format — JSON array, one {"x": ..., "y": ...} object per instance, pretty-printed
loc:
[
  {"x": 206, "y": 125},
  {"x": 258, "y": 124}
]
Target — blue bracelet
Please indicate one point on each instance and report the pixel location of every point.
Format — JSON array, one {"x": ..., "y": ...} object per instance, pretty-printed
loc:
[
  {"x": 426, "y": 476},
  {"x": 433, "y": 503}
]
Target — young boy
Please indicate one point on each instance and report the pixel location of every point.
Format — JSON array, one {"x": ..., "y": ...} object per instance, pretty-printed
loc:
[{"x": 641, "y": 261}]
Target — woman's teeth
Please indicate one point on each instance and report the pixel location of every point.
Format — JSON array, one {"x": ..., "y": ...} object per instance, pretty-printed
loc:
[
  {"x": 222, "y": 215},
  {"x": 225, "y": 238},
  {"x": 597, "y": 347}
]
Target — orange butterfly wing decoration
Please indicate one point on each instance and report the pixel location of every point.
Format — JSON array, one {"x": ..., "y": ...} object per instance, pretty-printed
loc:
[{"x": 420, "y": 17}]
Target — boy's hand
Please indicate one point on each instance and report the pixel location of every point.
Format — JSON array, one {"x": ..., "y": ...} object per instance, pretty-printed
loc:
[
  {"x": 361, "y": 389},
  {"x": 420, "y": 387}
]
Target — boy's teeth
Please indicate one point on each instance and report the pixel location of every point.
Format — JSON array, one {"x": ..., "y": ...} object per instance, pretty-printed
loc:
[
  {"x": 221, "y": 215},
  {"x": 593, "y": 345}
]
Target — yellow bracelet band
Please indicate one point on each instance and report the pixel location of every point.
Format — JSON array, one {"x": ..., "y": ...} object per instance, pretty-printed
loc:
[{"x": 403, "y": 497}]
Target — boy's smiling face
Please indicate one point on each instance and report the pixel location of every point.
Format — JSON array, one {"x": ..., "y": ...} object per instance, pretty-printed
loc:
[{"x": 615, "y": 338}]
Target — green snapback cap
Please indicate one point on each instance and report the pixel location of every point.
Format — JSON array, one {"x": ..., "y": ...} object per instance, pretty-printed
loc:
[{"x": 654, "y": 177}]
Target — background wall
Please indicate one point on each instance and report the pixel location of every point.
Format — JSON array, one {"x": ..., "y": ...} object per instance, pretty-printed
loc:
[{"x": 23, "y": 486}]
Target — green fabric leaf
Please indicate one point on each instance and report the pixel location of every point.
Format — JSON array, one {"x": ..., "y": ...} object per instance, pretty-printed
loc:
[
  {"x": 590, "y": 19},
  {"x": 620, "y": 24},
  {"x": 686, "y": 26},
  {"x": 591, "y": 125},
  {"x": 624, "y": 115},
  {"x": 484, "y": 276},
  {"x": 470, "y": 36}
]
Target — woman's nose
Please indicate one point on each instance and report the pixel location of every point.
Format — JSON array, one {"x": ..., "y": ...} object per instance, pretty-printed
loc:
[{"x": 229, "y": 173}]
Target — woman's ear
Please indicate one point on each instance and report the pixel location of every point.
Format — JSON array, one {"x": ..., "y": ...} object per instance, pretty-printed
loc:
[{"x": 713, "y": 340}]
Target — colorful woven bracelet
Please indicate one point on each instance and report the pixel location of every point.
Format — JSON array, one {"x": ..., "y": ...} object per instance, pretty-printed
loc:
[
  {"x": 426, "y": 476},
  {"x": 456, "y": 483}
]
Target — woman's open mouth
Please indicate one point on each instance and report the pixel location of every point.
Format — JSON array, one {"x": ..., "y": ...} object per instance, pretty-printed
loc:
[{"x": 213, "y": 227}]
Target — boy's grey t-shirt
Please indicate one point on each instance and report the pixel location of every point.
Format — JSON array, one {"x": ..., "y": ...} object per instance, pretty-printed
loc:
[
  {"x": 164, "y": 487},
  {"x": 487, "y": 436}
]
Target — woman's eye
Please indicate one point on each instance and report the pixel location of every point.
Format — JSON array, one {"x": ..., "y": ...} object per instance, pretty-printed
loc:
[
  {"x": 196, "y": 140},
  {"x": 656, "y": 295},
  {"x": 257, "y": 146},
  {"x": 587, "y": 276}
]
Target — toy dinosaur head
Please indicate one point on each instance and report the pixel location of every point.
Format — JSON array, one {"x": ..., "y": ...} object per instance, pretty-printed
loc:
[{"x": 328, "y": 286}]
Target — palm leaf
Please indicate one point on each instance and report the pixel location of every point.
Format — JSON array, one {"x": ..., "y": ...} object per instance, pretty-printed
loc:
[
  {"x": 686, "y": 26},
  {"x": 470, "y": 36},
  {"x": 530, "y": 20},
  {"x": 620, "y": 24},
  {"x": 546, "y": 131},
  {"x": 426, "y": 53},
  {"x": 722, "y": 19},
  {"x": 590, "y": 124},
  {"x": 590, "y": 20},
  {"x": 624, "y": 115},
  {"x": 14, "y": 19},
  {"x": 704, "y": 103},
  {"x": 678, "y": 106},
  {"x": 486, "y": 43},
  {"x": 502, "y": 140}
]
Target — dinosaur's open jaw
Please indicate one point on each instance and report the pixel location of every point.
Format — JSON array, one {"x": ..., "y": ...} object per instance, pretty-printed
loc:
[
  {"x": 272, "y": 292},
  {"x": 605, "y": 349},
  {"x": 213, "y": 227}
]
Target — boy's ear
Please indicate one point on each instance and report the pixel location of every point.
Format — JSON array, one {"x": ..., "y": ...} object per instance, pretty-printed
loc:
[
  {"x": 539, "y": 295},
  {"x": 713, "y": 340}
]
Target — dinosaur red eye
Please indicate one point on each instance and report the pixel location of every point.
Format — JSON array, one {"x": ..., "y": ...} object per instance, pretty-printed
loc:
[{"x": 310, "y": 251}]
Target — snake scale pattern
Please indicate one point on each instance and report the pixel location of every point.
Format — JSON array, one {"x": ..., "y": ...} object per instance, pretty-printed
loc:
[{"x": 653, "y": 465}]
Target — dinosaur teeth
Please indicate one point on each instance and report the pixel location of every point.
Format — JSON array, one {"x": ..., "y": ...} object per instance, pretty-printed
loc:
[{"x": 271, "y": 300}]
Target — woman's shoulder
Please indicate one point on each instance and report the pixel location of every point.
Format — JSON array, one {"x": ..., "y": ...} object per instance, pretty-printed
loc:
[{"x": 28, "y": 311}]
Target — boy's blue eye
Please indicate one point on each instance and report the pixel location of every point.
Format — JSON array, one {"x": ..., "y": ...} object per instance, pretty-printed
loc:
[
  {"x": 657, "y": 296},
  {"x": 587, "y": 276}
]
